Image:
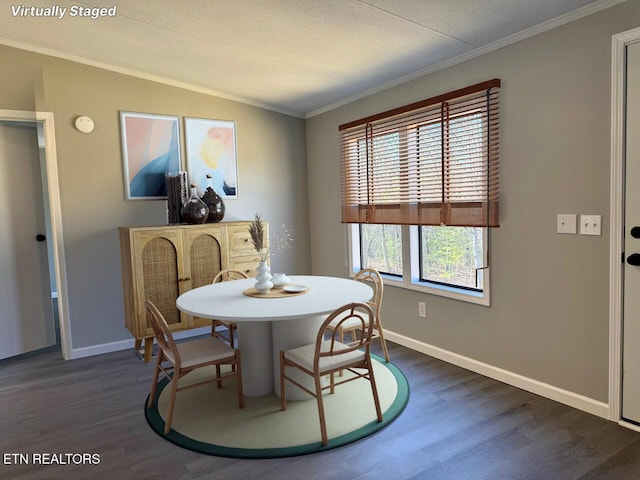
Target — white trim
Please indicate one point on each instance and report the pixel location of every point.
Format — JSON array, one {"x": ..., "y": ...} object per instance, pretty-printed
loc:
[
  {"x": 615, "y": 225},
  {"x": 566, "y": 397},
  {"x": 503, "y": 42},
  {"x": 616, "y": 202},
  {"x": 92, "y": 350},
  {"x": 55, "y": 211},
  {"x": 629, "y": 425},
  {"x": 453, "y": 293},
  {"x": 145, "y": 76}
]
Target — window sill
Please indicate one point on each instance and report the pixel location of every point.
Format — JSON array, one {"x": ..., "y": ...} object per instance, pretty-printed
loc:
[{"x": 478, "y": 298}]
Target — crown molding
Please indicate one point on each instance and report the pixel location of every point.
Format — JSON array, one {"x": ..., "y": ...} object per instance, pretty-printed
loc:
[
  {"x": 476, "y": 52},
  {"x": 144, "y": 76}
]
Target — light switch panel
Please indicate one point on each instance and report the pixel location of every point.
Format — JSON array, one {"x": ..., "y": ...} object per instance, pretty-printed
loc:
[
  {"x": 567, "y": 223},
  {"x": 590, "y": 224}
]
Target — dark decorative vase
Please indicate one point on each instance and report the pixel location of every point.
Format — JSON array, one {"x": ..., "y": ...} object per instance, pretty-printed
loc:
[
  {"x": 194, "y": 210},
  {"x": 215, "y": 204}
]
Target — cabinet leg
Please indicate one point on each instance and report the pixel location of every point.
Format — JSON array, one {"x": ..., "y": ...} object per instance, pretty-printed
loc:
[
  {"x": 137, "y": 344},
  {"x": 148, "y": 349}
]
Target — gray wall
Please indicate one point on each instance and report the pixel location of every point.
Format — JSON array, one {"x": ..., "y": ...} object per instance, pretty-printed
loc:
[
  {"x": 271, "y": 158},
  {"x": 548, "y": 318},
  {"x": 549, "y": 314}
]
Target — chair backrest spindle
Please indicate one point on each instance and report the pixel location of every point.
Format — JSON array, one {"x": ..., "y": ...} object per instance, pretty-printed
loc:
[
  {"x": 371, "y": 276},
  {"x": 163, "y": 334},
  {"x": 229, "y": 274},
  {"x": 363, "y": 313}
]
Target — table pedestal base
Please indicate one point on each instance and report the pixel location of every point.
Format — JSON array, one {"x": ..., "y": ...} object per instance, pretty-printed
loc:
[
  {"x": 260, "y": 344},
  {"x": 254, "y": 342}
]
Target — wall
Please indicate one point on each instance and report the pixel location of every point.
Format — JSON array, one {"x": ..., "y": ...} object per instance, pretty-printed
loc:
[
  {"x": 271, "y": 159},
  {"x": 548, "y": 318}
]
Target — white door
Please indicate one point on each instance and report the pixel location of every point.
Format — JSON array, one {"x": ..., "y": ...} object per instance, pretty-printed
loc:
[
  {"x": 26, "y": 316},
  {"x": 631, "y": 304}
]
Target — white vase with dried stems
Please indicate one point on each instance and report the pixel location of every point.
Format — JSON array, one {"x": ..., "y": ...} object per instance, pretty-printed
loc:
[
  {"x": 281, "y": 241},
  {"x": 256, "y": 230},
  {"x": 263, "y": 284}
]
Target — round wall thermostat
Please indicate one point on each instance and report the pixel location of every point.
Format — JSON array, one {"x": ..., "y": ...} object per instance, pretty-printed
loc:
[{"x": 84, "y": 124}]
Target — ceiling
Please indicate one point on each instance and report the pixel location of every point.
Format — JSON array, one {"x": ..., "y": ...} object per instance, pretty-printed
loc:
[{"x": 299, "y": 57}]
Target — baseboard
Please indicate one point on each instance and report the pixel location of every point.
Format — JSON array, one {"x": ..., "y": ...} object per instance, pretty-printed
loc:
[
  {"x": 629, "y": 425},
  {"x": 572, "y": 399},
  {"x": 126, "y": 344},
  {"x": 92, "y": 350},
  {"x": 566, "y": 397}
]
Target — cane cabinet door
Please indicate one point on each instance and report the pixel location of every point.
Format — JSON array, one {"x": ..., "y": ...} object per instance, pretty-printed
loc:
[
  {"x": 159, "y": 275},
  {"x": 205, "y": 255}
]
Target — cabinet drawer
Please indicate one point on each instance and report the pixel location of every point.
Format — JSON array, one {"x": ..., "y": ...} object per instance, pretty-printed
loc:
[{"x": 240, "y": 241}]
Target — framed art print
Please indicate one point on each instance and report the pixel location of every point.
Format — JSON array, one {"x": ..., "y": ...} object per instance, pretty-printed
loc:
[
  {"x": 150, "y": 149},
  {"x": 211, "y": 150}
]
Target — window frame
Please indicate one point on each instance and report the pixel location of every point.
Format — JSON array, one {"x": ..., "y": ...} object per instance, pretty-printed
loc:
[{"x": 410, "y": 278}]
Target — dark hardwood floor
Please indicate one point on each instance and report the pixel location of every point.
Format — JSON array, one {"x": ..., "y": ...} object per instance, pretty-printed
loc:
[{"x": 457, "y": 425}]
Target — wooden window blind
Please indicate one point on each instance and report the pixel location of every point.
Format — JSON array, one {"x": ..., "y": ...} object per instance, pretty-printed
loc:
[{"x": 434, "y": 162}]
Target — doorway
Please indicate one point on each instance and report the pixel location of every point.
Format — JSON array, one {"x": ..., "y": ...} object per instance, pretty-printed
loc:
[
  {"x": 624, "y": 278},
  {"x": 25, "y": 293},
  {"x": 631, "y": 269},
  {"x": 27, "y": 337}
]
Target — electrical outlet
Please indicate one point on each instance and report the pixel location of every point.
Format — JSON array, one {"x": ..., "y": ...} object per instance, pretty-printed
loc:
[
  {"x": 590, "y": 224},
  {"x": 567, "y": 223},
  {"x": 422, "y": 309}
]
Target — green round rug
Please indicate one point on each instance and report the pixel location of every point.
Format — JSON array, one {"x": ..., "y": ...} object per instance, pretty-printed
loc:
[{"x": 207, "y": 419}]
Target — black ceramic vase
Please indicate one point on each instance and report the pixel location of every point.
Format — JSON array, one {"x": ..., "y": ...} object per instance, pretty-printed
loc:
[
  {"x": 215, "y": 204},
  {"x": 194, "y": 210}
]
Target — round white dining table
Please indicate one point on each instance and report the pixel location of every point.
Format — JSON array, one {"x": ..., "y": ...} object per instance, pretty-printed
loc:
[{"x": 268, "y": 325}]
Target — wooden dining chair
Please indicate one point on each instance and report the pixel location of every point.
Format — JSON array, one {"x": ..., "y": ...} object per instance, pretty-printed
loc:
[
  {"x": 374, "y": 279},
  {"x": 231, "y": 327},
  {"x": 328, "y": 355},
  {"x": 187, "y": 356}
]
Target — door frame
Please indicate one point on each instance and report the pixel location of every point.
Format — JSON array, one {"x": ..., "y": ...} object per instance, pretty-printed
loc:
[
  {"x": 55, "y": 211},
  {"x": 616, "y": 233}
]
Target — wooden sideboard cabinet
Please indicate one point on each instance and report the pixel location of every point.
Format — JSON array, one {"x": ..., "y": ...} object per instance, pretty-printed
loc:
[{"x": 160, "y": 263}]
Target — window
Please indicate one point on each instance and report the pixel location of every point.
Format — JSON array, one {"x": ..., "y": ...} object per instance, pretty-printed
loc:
[
  {"x": 445, "y": 261},
  {"x": 381, "y": 248},
  {"x": 420, "y": 185},
  {"x": 452, "y": 256}
]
